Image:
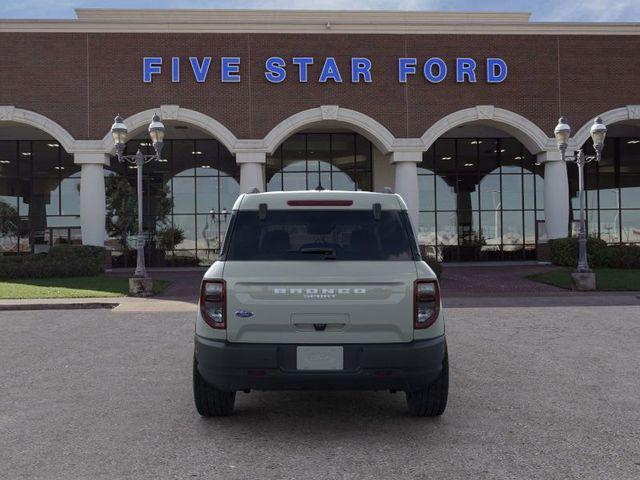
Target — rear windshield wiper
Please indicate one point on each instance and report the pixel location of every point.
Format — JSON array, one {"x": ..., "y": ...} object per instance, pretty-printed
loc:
[{"x": 329, "y": 253}]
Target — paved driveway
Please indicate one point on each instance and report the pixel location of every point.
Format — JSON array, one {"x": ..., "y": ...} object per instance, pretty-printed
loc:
[{"x": 543, "y": 393}]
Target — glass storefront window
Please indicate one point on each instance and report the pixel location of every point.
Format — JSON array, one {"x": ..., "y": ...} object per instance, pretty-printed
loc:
[
  {"x": 39, "y": 195},
  {"x": 612, "y": 191},
  {"x": 201, "y": 179},
  {"x": 630, "y": 224},
  {"x": 477, "y": 201},
  {"x": 337, "y": 161}
]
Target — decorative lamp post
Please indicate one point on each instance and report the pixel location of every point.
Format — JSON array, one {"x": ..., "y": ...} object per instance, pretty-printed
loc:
[
  {"x": 583, "y": 278},
  {"x": 119, "y": 133}
]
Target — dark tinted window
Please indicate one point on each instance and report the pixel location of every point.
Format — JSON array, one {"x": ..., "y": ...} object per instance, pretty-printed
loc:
[{"x": 320, "y": 235}]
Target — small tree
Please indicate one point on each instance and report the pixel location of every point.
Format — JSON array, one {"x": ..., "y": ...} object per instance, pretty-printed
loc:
[
  {"x": 169, "y": 237},
  {"x": 9, "y": 221},
  {"x": 122, "y": 208}
]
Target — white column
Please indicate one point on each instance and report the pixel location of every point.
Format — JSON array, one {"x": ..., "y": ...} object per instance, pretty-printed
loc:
[
  {"x": 556, "y": 194},
  {"x": 406, "y": 165},
  {"x": 92, "y": 197},
  {"x": 251, "y": 170}
]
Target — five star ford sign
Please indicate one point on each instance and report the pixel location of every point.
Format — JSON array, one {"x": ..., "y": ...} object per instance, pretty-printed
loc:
[{"x": 305, "y": 69}]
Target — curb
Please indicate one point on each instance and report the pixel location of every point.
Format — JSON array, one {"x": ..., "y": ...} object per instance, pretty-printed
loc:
[{"x": 57, "y": 306}]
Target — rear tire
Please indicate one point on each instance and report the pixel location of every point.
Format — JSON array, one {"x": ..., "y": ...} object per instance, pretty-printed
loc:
[
  {"x": 210, "y": 402},
  {"x": 432, "y": 400}
]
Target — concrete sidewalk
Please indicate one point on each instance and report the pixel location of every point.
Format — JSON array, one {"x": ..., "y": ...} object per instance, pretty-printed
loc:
[
  {"x": 463, "y": 286},
  {"x": 169, "y": 304},
  {"x": 118, "y": 304}
]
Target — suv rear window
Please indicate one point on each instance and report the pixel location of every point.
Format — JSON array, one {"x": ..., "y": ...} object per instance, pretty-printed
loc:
[{"x": 320, "y": 235}]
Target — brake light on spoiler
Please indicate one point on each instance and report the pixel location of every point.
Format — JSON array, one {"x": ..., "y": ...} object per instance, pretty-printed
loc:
[{"x": 319, "y": 203}]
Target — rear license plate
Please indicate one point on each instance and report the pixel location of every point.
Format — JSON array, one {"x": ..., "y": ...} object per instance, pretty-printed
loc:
[{"x": 320, "y": 358}]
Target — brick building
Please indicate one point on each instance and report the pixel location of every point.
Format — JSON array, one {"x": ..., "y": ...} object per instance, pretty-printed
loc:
[{"x": 454, "y": 111}]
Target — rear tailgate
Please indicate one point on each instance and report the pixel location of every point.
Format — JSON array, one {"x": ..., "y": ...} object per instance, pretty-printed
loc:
[{"x": 319, "y": 301}]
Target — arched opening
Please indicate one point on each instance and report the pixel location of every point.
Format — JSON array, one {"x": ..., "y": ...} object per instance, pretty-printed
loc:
[
  {"x": 187, "y": 198},
  {"x": 481, "y": 196},
  {"x": 332, "y": 158},
  {"x": 612, "y": 186},
  {"x": 39, "y": 190},
  {"x": 329, "y": 147}
]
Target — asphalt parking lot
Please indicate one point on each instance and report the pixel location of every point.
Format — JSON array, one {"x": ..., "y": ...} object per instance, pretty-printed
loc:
[{"x": 550, "y": 392}]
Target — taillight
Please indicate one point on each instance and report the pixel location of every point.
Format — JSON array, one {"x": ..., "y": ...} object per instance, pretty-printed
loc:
[
  {"x": 426, "y": 303},
  {"x": 212, "y": 303}
]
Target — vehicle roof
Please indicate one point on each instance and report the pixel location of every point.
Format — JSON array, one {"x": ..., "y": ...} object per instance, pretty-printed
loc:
[{"x": 279, "y": 200}]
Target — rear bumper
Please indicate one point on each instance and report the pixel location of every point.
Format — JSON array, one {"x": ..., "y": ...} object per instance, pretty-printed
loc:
[{"x": 241, "y": 366}]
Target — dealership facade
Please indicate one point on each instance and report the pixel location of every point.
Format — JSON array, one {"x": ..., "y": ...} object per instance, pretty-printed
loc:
[{"x": 454, "y": 111}]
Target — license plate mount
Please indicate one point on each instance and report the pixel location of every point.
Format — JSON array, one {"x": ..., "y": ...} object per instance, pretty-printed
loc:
[{"x": 312, "y": 358}]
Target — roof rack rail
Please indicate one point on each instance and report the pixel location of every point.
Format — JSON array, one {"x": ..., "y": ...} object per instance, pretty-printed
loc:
[
  {"x": 254, "y": 190},
  {"x": 387, "y": 190}
]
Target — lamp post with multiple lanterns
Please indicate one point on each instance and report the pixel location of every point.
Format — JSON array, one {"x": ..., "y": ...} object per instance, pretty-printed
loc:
[
  {"x": 562, "y": 133},
  {"x": 156, "y": 132}
]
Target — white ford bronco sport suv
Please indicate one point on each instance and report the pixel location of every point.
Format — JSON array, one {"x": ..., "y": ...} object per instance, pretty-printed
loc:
[{"x": 320, "y": 290}]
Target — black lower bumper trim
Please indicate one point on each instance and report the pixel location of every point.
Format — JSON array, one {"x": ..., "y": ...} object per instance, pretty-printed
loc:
[{"x": 238, "y": 366}]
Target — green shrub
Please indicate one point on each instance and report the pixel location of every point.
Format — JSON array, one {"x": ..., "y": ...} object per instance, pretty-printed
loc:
[
  {"x": 61, "y": 261},
  {"x": 564, "y": 251},
  {"x": 181, "y": 261},
  {"x": 617, "y": 256}
]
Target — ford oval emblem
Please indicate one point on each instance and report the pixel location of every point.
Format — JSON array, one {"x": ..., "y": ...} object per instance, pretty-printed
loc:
[{"x": 244, "y": 313}]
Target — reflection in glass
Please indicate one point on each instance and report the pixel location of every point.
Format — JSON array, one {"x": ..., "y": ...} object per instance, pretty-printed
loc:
[
  {"x": 610, "y": 225},
  {"x": 39, "y": 191},
  {"x": 445, "y": 195},
  {"x": 426, "y": 189},
  {"x": 338, "y": 161},
  {"x": 530, "y": 227},
  {"x": 207, "y": 193},
  {"x": 492, "y": 214},
  {"x": 512, "y": 192},
  {"x": 183, "y": 195},
  {"x": 447, "y": 228},
  {"x": 630, "y": 196},
  {"x": 201, "y": 179},
  {"x": 512, "y": 228},
  {"x": 630, "y": 223},
  {"x": 490, "y": 198},
  {"x": 427, "y": 229}
]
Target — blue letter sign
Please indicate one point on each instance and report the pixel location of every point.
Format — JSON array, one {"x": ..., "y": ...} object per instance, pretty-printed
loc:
[
  {"x": 360, "y": 67},
  {"x": 406, "y": 66},
  {"x": 428, "y": 70},
  {"x": 303, "y": 66},
  {"x": 496, "y": 70},
  {"x": 434, "y": 69},
  {"x": 465, "y": 67},
  {"x": 151, "y": 66},
  {"x": 330, "y": 71},
  {"x": 275, "y": 69},
  {"x": 200, "y": 71}
]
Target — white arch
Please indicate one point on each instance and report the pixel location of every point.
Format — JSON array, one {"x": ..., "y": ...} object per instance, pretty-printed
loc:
[
  {"x": 177, "y": 113},
  {"x": 527, "y": 132},
  {"x": 382, "y": 138},
  {"x": 630, "y": 112},
  {"x": 10, "y": 113}
]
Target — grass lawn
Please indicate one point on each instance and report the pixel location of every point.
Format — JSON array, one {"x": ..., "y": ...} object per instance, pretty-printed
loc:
[
  {"x": 607, "y": 279},
  {"x": 71, "y": 287}
]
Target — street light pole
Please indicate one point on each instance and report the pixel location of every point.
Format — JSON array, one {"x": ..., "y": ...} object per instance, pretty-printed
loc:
[
  {"x": 562, "y": 133},
  {"x": 156, "y": 132},
  {"x": 583, "y": 262},
  {"x": 141, "y": 271}
]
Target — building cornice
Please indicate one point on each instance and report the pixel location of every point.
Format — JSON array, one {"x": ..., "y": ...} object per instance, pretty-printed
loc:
[{"x": 312, "y": 22}]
